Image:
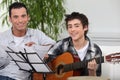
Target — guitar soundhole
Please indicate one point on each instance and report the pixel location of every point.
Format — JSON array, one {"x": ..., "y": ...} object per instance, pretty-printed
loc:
[{"x": 60, "y": 69}]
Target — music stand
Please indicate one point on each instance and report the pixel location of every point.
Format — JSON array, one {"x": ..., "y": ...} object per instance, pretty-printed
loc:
[{"x": 28, "y": 61}]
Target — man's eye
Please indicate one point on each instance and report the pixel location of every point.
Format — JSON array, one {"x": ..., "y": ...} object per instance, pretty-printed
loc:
[
  {"x": 15, "y": 17},
  {"x": 23, "y": 16}
]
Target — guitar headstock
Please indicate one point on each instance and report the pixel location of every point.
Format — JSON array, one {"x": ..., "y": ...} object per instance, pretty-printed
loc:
[{"x": 114, "y": 57}]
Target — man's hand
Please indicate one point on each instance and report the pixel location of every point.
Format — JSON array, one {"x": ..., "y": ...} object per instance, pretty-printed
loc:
[{"x": 29, "y": 44}]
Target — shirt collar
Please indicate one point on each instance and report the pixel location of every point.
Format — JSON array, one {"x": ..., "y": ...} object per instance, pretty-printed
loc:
[
  {"x": 91, "y": 47},
  {"x": 11, "y": 39},
  {"x": 29, "y": 33}
]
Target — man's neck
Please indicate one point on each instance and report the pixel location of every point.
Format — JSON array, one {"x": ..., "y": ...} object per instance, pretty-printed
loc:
[{"x": 19, "y": 33}]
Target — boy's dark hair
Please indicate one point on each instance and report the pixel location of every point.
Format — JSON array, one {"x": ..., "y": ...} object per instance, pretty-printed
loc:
[
  {"x": 17, "y": 5},
  {"x": 76, "y": 15}
]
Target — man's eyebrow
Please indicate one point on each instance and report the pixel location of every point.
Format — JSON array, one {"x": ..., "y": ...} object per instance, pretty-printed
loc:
[
  {"x": 24, "y": 14},
  {"x": 77, "y": 24},
  {"x": 15, "y": 15}
]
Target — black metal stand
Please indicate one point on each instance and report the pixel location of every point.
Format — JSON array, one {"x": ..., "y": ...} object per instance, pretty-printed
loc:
[
  {"x": 44, "y": 76},
  {"x": 24, "y": 58},
  {"x": 31, "y": 75}
]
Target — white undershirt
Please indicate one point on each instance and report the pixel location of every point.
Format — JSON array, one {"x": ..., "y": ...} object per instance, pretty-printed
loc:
[
  {"x": 18, "y": 40},
  {"x": 82, "y": 52}
]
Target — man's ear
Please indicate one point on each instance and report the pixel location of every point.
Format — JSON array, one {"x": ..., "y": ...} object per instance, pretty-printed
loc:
[{"x": 28, "y": 18}]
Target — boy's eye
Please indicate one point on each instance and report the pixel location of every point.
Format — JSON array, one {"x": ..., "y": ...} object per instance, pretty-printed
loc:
[
  {"x": 69, "y": 26},
  {"x": 76, "y": 25}
]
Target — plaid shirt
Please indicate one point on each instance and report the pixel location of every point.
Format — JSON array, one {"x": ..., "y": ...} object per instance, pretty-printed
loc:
[{"x": 66, "y": 45}]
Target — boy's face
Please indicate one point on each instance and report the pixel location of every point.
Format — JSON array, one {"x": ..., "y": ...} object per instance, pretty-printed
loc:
[{"x": 75, "y": 29}]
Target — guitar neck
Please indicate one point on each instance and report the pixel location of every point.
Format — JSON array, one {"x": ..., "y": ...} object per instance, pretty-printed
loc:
[{"x": 81, "y": 64}]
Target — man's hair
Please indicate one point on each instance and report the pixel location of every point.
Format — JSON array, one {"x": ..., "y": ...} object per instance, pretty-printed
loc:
[
  {"x": 17, "y": 5},
  {"x": 77, "y": 15}
]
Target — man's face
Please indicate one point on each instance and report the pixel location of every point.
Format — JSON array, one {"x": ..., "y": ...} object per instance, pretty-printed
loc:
[{"x": 19, "y": 19}]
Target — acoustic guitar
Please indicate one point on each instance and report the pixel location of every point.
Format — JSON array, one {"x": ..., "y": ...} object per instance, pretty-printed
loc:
[{"x": 64, "y": 65}]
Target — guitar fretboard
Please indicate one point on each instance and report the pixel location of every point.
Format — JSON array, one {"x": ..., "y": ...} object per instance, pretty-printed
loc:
[{"x": 82, "y": 64}]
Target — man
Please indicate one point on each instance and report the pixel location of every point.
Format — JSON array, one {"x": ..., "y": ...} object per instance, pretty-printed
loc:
[
  {"x": 20, "y": 35},
  {"x": 78, "y": 44}
]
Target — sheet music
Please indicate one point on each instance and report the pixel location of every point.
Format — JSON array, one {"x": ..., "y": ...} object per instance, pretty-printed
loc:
[
  {"x": 24, "y": 66},
  {"x": 17, "y": 57},
  {"x": 40, "y": 50},
  {"x": 41, "y": 68},
  {"x": 29, "y": 58}
]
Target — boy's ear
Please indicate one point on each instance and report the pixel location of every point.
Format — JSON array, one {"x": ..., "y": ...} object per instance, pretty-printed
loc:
[{"x": 86, "y": 27}]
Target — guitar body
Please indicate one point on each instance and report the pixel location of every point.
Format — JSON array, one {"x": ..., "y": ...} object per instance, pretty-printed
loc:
[
  {"x": 37, "y": 76},
  {"x": 65, "y": 58}
]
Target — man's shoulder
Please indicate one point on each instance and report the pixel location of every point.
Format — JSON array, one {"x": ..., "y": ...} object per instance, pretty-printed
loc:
[
  {"x": 5, "y": 33},
  {"x": 31, "y": 30}
]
